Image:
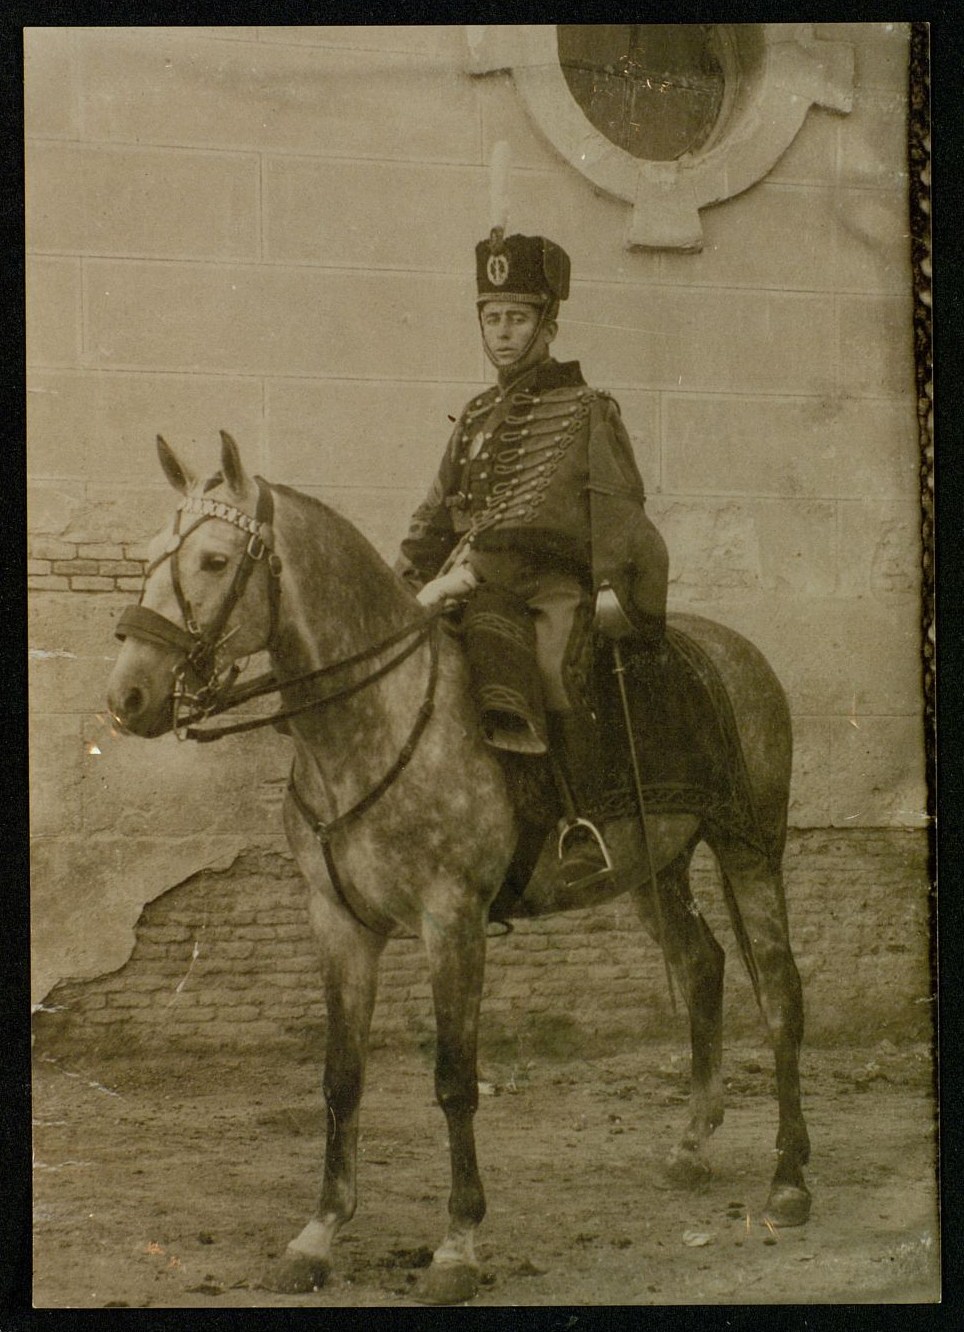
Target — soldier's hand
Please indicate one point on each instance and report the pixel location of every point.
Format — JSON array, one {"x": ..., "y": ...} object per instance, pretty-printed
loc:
[{"x": 458, "y": 582}]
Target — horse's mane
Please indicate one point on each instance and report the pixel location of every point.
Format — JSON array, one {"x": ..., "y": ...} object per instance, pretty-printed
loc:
[
  {"x": 346, "y": 554},
  {"x": 349, "y": 536}
]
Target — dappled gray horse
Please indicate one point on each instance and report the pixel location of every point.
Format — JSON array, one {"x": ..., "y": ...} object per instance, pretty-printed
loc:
[{"x": 401, "y": 822}]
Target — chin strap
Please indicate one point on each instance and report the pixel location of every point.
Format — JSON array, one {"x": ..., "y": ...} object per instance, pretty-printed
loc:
[{"x": 543, "y": 310}]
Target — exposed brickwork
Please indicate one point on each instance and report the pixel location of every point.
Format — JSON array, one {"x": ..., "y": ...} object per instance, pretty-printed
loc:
[
  {"x": 227, "y": 959},
  {"x": 84, "y": 566},
  {"x": 48, "y": 548}
]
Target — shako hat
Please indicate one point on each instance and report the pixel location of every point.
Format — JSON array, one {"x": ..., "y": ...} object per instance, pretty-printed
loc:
[{"x": 528, "y": 269}]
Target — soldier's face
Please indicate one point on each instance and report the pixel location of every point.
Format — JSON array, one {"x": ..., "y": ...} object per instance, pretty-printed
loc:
[{"x": 508, "y": 328}]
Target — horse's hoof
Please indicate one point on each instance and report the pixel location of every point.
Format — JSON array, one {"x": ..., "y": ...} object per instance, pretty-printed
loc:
[
  {"x": 448, "y": 1283},
  {"x": 787, "y": 1205},
  {"x": 687, "y": 1169},
  {"x": 296, "y": 1274}
]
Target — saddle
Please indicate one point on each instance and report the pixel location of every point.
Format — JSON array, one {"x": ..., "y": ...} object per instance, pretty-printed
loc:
[{"x": 685, "y": 734}]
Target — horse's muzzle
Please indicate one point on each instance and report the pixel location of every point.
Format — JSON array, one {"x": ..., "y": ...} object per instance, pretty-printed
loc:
[
  {"x": 140, "y": 691},
  {"x": 132, "y": 713}
]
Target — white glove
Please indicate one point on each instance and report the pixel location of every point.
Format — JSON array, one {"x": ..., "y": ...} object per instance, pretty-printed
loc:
[{"x": 452, "y": 585}]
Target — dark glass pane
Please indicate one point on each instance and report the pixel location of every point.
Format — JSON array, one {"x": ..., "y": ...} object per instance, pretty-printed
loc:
[{"x": 654, "y": 89}]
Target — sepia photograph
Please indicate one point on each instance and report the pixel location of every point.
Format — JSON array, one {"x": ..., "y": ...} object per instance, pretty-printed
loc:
[{"x": 481, "y": 665}]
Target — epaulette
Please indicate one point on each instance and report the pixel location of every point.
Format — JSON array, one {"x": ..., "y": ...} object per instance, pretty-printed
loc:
[{"x": 603, "y": 395}]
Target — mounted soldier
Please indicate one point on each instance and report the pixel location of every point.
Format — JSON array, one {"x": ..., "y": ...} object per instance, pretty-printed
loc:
[
  {"x": 387, "y": 763},
  {"x": 537, "y": 518}
]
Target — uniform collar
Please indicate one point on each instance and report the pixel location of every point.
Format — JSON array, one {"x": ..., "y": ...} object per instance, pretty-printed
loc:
[{"x": 548, "y": 374}]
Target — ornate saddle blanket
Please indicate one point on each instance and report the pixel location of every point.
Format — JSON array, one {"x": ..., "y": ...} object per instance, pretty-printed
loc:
[
  {"x": 687, "y": 744},
  {"x": 686, "y": 739}
]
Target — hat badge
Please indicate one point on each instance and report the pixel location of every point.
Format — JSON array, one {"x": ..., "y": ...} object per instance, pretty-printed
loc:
[{"x": 497, "y": 269}]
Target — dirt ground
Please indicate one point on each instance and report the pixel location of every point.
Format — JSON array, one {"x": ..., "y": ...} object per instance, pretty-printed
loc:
[{"x": 166, "y": 1182}]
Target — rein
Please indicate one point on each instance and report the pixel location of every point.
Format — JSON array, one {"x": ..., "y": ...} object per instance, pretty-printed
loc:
[
  {"x": 199, "y": 647},
  {"x": 325, "y": 831},
  {"x": 217, "y": 695},
  {"x": 270, "y": 684}
]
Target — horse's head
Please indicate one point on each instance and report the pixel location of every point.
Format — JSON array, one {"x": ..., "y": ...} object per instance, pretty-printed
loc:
[{"x": 209, "y": 598}]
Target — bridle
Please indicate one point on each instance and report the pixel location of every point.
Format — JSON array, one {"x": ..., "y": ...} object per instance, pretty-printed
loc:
[{"x": 200, "y": 648}]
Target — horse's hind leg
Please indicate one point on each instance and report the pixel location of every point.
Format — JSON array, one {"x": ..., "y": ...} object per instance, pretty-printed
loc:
[
  {"x": 757, "y": 907},
  {"x": 696, "y": 962},
  {"x": 351, "y": 967},
  {"x": 456, "y": 949}
]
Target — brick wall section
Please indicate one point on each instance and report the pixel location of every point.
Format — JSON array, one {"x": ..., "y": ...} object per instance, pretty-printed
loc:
[
  {"x": 858, "y": 911},
  {"x": 84, "y": 566}
]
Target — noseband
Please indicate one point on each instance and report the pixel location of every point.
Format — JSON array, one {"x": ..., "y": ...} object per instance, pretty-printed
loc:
[{"x": 199, "y": 647}]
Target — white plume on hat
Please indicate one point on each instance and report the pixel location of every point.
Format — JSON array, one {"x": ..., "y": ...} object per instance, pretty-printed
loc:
[{"x": 499, "y": 165}]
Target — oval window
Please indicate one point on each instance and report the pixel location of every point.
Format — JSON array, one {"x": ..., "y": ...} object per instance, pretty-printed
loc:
[
  {"x": 669, "y": 117},
  {"x": 656, "y": 90}
]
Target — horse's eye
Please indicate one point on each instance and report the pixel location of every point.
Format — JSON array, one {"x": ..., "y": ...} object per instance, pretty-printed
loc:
[{"x": 214, "y": 563}]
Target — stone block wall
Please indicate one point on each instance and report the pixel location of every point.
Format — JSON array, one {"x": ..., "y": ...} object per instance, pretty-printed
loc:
[{"x": 270, "y": 230}]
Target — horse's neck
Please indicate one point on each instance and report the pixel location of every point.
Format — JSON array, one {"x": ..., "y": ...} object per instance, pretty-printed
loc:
[
  {"x": 337, "y": 594},
  {"x": 339, "y": 598}
]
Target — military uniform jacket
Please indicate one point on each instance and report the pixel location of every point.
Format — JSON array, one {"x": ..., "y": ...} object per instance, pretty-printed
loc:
[{"x": 545, "y": 468}]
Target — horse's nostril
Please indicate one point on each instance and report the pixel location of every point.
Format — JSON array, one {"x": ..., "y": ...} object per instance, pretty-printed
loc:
[{"x": 132, "y": 703}]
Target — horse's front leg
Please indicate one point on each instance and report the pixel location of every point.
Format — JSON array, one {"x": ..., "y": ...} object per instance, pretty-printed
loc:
[
  {"x": 455, "y": 944},
  {"x": 351, "y": 955}
]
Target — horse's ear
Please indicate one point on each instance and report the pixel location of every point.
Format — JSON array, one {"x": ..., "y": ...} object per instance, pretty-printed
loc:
[
  {"x": 234, "y": 474},
  {"x": 175, "y": 472}
]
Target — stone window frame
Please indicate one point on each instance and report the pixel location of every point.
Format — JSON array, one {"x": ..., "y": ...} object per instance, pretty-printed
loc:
[{"x": 791, "y": 70}]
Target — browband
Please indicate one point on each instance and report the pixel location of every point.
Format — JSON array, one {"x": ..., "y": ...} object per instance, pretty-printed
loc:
[{"x": 209, "y": 508}]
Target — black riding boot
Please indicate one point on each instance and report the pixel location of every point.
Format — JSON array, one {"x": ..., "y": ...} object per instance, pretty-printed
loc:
[{"x": 577, "y": 762}]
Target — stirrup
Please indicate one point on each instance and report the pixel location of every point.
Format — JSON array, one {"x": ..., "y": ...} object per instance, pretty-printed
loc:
[
  {"x": 570, "y": 825},
  {"x": 598, "y": 876}
]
